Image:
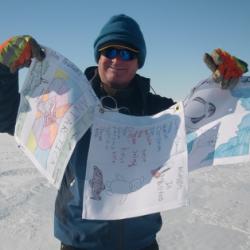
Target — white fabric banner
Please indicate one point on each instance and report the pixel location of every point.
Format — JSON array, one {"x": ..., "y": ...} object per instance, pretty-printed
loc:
[
  {"x": 218, "y": 124},
  {"x": 56, "y": 108},
  {"x": 136, "y": 165}
]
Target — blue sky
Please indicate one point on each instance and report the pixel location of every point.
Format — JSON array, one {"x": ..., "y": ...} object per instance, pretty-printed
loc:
[{"x": 177, "y": 33}]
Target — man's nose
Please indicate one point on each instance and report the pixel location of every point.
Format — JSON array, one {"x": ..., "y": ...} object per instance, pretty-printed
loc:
[{"x": 117, "y": 59}]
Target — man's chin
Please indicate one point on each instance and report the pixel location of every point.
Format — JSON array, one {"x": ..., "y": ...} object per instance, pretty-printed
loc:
[{"x": 118, "y": 84}]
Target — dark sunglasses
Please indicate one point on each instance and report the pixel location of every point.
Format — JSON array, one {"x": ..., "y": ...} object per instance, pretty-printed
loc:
[{"x": 124, "y": 54}]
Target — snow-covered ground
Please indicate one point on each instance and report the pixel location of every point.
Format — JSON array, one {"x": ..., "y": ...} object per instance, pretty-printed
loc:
[{"x": 218, "y": 217}]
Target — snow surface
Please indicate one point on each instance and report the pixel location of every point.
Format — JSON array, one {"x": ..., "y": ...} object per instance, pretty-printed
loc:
[{"x": 218, "y": 217}]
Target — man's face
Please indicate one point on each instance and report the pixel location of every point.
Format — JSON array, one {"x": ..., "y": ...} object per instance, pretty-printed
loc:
[{"x": 116, "y": 72}]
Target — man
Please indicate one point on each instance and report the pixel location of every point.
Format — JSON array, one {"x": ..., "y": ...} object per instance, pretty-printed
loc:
[{"x": 120, "y": 51}]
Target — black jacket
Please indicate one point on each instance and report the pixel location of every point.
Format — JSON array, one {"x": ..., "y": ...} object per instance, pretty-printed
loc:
[{"x": 9, "y": 100}]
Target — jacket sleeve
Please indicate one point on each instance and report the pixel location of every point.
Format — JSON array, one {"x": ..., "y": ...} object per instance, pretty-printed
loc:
[{"x": 9, "y": 100}]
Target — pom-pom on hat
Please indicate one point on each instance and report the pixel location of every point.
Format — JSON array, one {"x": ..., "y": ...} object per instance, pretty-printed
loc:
[{"x": 124, "y": 31}]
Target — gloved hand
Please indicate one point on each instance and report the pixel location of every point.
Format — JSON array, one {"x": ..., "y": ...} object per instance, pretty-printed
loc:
[
  {"x": 16, "y": 52},
  {"x": 226, "y": 69}
]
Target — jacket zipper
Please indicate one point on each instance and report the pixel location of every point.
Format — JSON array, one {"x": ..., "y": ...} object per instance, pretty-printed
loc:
[{"x": 120, "y": 235}]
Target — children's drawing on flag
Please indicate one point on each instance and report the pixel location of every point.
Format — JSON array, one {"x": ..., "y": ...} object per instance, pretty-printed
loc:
[
  {"x": 136, "y": 165},
  {"x": 56, "y": 109},
  {"x": 218, "y": 124}
]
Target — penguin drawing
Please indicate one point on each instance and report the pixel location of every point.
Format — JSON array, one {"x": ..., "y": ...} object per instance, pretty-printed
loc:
[{"x": 96, "y": 184}]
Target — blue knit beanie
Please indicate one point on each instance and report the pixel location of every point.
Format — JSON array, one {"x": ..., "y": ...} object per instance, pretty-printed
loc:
[{"x": 121, "y": 30}]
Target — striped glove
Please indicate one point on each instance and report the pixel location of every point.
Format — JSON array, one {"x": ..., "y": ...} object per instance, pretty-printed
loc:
[
  {"x": 226, "y": 69},
  {"x": 16, "y": 52}
]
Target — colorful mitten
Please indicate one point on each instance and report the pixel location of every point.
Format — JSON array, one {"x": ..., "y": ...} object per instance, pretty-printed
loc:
[
  {"x": 17, "y": 52},
  {"x": 226, "y": 69}
]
